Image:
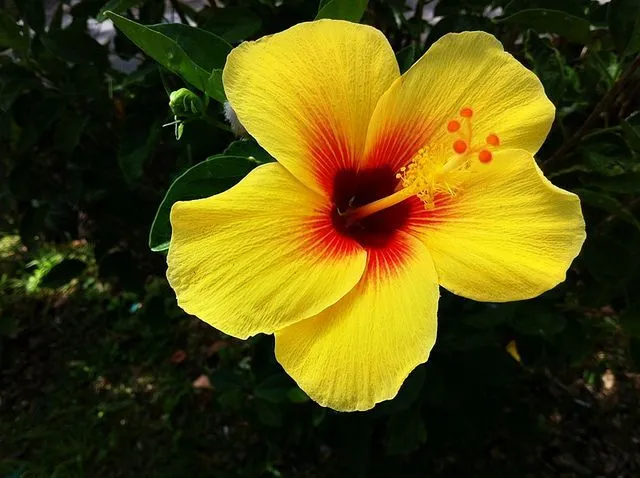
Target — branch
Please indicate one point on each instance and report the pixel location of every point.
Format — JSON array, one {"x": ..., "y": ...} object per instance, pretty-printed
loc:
[{"x": 600, "y": 108}]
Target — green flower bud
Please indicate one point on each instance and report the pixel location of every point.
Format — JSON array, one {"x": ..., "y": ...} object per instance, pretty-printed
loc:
[{"x": 186, "y": 104}]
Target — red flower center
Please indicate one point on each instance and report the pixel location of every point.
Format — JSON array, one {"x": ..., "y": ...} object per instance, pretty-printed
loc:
[{"x": 353, "y": 188}]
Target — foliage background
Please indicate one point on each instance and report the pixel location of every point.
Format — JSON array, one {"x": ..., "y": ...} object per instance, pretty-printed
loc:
[{"x": 102, "y": 375}]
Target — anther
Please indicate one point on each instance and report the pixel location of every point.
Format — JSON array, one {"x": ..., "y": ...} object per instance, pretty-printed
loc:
[
  {"x": 493, "y": 140},
  {"x": 453, "y": 126},
  {"x": 459, "y": 146},
  {"x": 485, "y": 156},
  {"x": 466, "y": 112}
]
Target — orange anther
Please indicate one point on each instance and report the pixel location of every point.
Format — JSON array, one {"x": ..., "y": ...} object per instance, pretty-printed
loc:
[
  {"x": 466, "y": 112},
  {"x": 485, "y": 156},
  {"x": 493, "y": 140},
  {"x": 453, "y": 126},
  {"x": 459, "y": 146}
]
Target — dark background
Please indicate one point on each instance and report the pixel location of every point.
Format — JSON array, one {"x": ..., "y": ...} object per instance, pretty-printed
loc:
[{"x": 102, "y": 375}]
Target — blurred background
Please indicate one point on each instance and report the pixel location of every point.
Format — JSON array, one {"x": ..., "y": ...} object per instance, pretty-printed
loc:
[{"x": 102, "y": 375}]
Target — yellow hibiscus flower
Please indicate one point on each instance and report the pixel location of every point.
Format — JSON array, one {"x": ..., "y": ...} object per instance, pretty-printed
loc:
[{"x": 386, "y": 187}]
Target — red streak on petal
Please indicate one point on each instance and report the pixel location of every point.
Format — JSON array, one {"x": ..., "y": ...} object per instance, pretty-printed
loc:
[
  {"x": 384, "y": 264},
  {"x": 395, "y": 146},
  {"x": 329, "y": 149},
  {"x": 325, "y": 241}
]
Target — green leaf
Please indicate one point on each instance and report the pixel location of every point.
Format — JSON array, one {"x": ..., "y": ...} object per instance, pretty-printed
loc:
[
  {"x": 63, "y": 273},
  {"x": 274, "y": 389},
  {"x": 212, "y": 176},
  {"x": 608, "y": 204},
  {"x": 538, "y": 321},
  {"x": 407, "y": 396},
  {"x": 295, "y": 395},
  {"x": 547, "y": 63},
  {"x": 116, "y": 6},
  {"x": 10, "y": 34},
  {"x": 406, "y": 57},
  {"x": 406, "y": 432},
  {"x": 68, "y": 132},
  {"x": 249, "y": 149},
  {"x": 233, "y": 24},
  {"x": 268, "y": 413},
  {"x": 631, "y": 131},
  {"x": 350, "y": 10},
  {"x": 630, "y": 321},
  {"x": 137, "y": 143},
  {"x": 179, "y": 48},
  {"x": 573, "y": 7},
  {"x": 542, "y": 20},
  {"x": 624, "y": 25},
  {"x": 32, "y": 11},
  {"x": 74, "y": 47}
]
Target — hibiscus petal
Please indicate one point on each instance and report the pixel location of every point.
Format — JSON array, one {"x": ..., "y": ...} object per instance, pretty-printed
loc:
[
  {"x": 508, "y": 234},
  {"x": 461, "y": 70},
  {"x": 306, "y": 94},
  {"x": 259, "y": 256},
  {"x": 359, "y": 351}
]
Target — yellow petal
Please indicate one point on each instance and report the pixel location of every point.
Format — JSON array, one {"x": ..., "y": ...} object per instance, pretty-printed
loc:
[
  {"x": 306, "y": 94},
  {"x": 461, "y": 70},
  {"x": 508, "y": 234},
  {"x": 358, "y": 352},
  {"x": 259, "y": 256}
]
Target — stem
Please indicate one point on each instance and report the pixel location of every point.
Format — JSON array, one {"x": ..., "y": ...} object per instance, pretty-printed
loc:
[{"x": 600, "y": 108}]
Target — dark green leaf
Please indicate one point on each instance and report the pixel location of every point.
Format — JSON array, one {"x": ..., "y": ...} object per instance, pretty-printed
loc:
[
  {"x": 631, "y": 130},
  {"x": 68, "y": 132},
  {"x": 610, "y": 261},
  {"x": 117, "y": 6},
  {"x": 268, "y": 413},
  {"x": 542, "y": 20},
  {"x": 249, "y": 149},
  {"x": 408, "y": 394},
  {"x": 630, "y": 321},
  {"x": 573, "y": 7},
  {"x": 212, "y": 176},
  {"x": 458, "y": 23},
  {"x": 11, "y": 34},
  {"x": 406, "y": 432},
  {"x": 350, "y": 10},
  {"x": 233, "y": 24},
  {"x": 538, "y": 321},
  {"x": 179, "y": 49},
  {"x": 624, "y": 25},
  {"x": 274, "y": 389},
  {"x": 295, "y": 395},
  {"x": 137, "y": 143},
  {"x": 74, "y": 46},
  {"x": 547, "y": 63},
  {"x": 406, "y": 57},
  {"x": 608, "y": 204},
  {"x": 32, "y": 11},
  {"x": 63, "y": 273}
]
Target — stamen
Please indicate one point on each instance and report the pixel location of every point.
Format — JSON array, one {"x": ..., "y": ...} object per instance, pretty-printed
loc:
[
  {"x": 493, "y": 140},
  {"x": 459, "y": 146},
  {"x": 485, "y": 156},
  {"x": 466, "y": 112},
  {"x": 431, "y": 174}
]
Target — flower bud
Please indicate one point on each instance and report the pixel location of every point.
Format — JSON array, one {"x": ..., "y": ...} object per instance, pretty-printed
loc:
[{"x": 186, "y": 104}]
